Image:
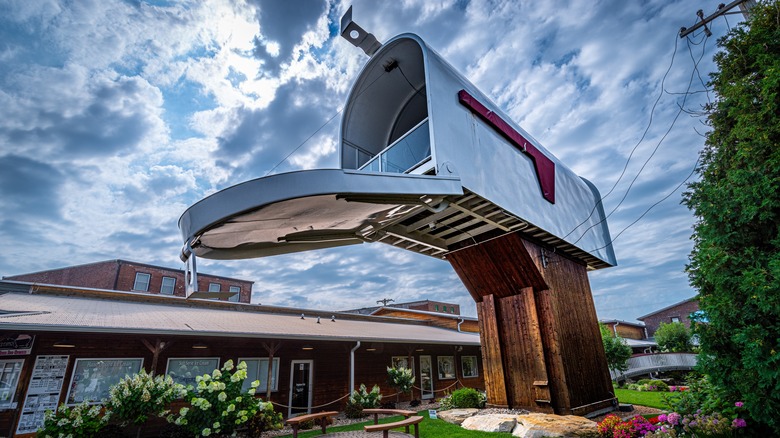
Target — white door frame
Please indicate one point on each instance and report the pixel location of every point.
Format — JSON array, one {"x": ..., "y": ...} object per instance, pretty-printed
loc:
[
  {"x": 311, "y": 383},
  {"x": 431, "y": 393}
]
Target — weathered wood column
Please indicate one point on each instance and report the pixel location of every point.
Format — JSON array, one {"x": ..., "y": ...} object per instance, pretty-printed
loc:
[{"x": 541, "y": 345}]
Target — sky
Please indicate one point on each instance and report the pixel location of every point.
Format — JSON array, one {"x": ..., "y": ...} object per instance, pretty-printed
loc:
[{"x": 115, "y": 116}]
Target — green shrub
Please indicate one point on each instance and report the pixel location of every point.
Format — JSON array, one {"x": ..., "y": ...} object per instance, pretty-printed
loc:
[
  {"x": 362, "y": 399},
  {"x": 82, "y": 420},
  {"x": 218, "y": 405},
  {"x": 265, "y": 420},
  {"x": 463, "y": 398},
  {"x": 401, "y": 379},
  {"x": 134, "y": 398}
]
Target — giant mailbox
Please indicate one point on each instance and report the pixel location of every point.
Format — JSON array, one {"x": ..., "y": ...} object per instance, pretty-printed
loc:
[{"x": 429, "y": 164}]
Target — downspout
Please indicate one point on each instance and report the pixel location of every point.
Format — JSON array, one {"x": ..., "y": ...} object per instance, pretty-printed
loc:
[
  {"x": 459, "y": 323},
  {"x": 352, "y": 367},
  {"x": 614, "y": 327}
]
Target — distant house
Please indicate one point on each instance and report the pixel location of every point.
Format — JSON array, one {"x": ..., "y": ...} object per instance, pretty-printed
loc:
[
  {"x": 123, "y": 275},
  {"x": 625, "y": 329},
  {"x": 679, "y": 312},
  {"x": 633, "y": 334}
]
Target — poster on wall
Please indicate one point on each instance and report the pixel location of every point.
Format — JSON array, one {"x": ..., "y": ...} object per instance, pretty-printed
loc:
[
  {"x": 184, "y": 370},
  {"x": 16, "y": 344},
  {"x": 43, "y": 391},
  {"x": 92, "y": 378}
]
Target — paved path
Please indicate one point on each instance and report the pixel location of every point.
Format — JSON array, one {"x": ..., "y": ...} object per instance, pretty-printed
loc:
[{"x": 364, "y": 434}]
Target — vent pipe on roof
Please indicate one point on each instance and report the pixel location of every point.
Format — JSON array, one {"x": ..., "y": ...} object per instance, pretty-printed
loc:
[{"x": 352, "y": 367}]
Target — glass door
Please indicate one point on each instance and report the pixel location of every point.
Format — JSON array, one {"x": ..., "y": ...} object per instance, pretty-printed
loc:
[
  {"x": 426, "y": 379},
  {"x": 300, "y": 387}
]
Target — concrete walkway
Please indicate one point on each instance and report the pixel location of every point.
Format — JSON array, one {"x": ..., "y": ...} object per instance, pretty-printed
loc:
[{"x": 364, "y": 434}]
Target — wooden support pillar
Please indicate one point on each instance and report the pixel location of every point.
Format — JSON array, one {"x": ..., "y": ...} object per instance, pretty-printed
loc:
[
  {"x": 271, "y": 348},
  {"x": 158, "y": 347},
  {"x": 541, "y": 346}
]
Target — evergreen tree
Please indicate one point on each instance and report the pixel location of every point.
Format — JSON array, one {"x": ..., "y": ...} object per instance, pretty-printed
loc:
[{"x": 735, "y": 263}]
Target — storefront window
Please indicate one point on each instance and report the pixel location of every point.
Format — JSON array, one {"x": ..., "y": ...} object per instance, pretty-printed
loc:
[
  {"x": 9, "y": 378},
  {"x": 257, "y": 369},
  {"x": 446, "y": 367},
  {"x": 469, "y": 366},
  {"x": 92, "y": 378}
]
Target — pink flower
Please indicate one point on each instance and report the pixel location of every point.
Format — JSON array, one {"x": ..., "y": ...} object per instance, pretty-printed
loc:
[
  {"x": 662, "y": 418},
  {"x": 739, "y": 404},
  {"x": 738, "y": 423},
  {"x": 673, "y": 418}
]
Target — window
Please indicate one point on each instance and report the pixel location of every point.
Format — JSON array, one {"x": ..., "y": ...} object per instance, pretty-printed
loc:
[
  {"x": 675, "y": 319},
  {"x": 445, "y": 309},
  {"x": 446, "y": 367},
  {"x": 469, "y": 366},
  {"x": 214, "y": 287},
  {"x": 437, "y": 307},
  {"x": 9, "y": 378},
  {"x": 184, "y": 369},
  {"x": 142, "y": 281},
  {"x": 92, "y": 378},
  {"x": 452, "y": 310},
  {"x": 401, "y": 362},
  {"x": 168, "y": 286},
  {"x": 237, "y": 297},
  {"x": 257, "y": 369}
]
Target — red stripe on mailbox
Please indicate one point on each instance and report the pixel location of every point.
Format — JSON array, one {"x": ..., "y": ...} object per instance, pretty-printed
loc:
[{"x": 545, "y": 167}]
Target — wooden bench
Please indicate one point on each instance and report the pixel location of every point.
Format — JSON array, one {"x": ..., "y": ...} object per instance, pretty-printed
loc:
[
  {"x": 385, "y": 428},
  {"x": 295, "y": 422},
  {"x": 378, "y": 412}
]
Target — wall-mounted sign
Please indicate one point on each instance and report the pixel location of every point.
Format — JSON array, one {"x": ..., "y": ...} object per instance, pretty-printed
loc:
[
  {"x": 184, "y": 369},
  {"x": 43, "y": 392},
  {"x": 16, "y": 344}
]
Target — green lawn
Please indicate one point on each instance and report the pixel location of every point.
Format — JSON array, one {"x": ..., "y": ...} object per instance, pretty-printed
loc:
[
  {"x": 428, "y": 428},
  {"x": 642, "y": 398}
]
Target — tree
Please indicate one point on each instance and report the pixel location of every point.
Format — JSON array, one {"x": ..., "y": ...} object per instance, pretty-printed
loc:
[
  {"x": 617, "y": 351},
  {"x": 735, "y": 262},
  {"x": 674, "y": 337}
]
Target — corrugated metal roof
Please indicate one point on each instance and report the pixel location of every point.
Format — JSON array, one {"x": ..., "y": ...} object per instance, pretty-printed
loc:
[{"x": 85, "y": 314}]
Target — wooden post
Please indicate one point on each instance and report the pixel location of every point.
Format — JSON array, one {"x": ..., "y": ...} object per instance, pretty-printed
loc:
[
  {"x": 541, "y": 347},
  {"x": 158, "y": 347},
  {"x": 271, "y": 348}
]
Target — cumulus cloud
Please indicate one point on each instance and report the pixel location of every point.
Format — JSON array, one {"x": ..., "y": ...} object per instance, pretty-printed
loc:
[{"x": 116, "y": 116}]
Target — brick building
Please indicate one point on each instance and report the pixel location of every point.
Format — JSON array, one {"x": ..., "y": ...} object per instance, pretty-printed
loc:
[
  {"x": 424, "y": 305},
  {"x": 679, "y": 312},
  {"x": 123, "y": 275}
]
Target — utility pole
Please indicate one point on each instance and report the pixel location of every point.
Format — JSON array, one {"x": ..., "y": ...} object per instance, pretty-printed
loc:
[
  {"x": 744, "y": 6},
  {"x": 384, "y": 301}
]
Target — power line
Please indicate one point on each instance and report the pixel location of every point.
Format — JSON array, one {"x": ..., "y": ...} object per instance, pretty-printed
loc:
[
  {"x": 319, "y": 129},
  {"x": 695, "y": 165},
  {"x": 641, "y": 139},
  {"x": 674, "y": 121}
]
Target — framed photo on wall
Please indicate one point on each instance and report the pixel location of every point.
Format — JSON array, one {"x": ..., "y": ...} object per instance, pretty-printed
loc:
[
  {"x": 469, "y": 367},
  {"x": 401, "y": 362},
  {"x": 446, "y": 367},
  {"x": 92, "y": 378},
  {"x": 184, "y": 369}
]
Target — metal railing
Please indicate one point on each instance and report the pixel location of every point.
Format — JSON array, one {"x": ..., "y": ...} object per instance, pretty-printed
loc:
[{"x": 404, "y": 154}]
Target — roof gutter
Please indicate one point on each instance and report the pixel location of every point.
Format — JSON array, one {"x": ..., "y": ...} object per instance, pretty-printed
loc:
[{"x": 352, "y": 367}]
